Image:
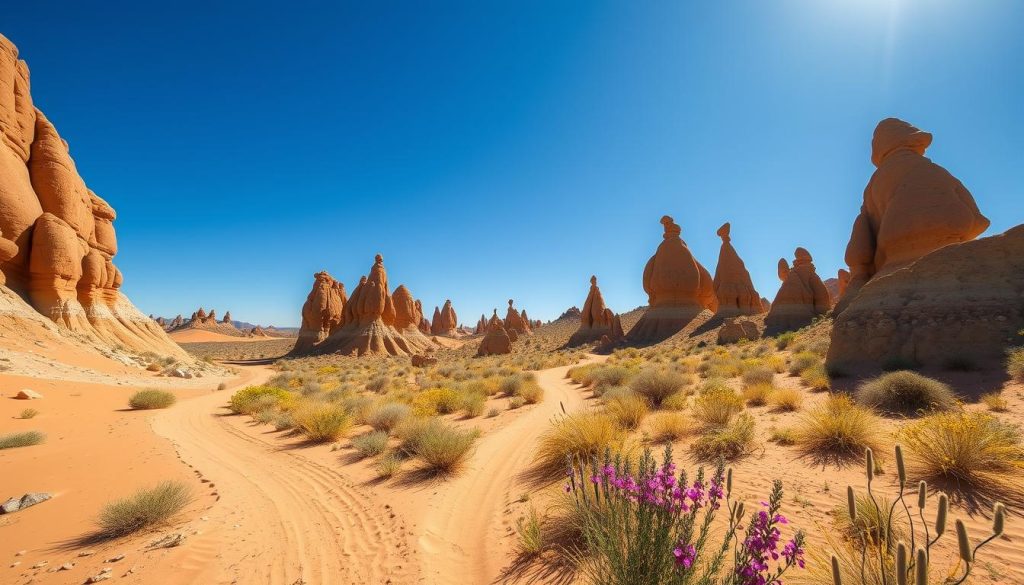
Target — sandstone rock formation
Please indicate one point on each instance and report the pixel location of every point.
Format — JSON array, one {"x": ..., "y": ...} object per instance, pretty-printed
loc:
[
  {"x": 481, "y": 326},
  {"x": 227, "y": 317},
  {"x": 766, "y": 304},
  {"x": 514, "y": 321},
  {"x": 445, "y": 321},
  {"x": 497, "y": 340},
  {"x": 322, "y": 312},
  {"x": 737, "y": 328},
  {"x": 176, "y": 322},
  {"x": 678, "y": 288},
  {"x": 570, "y": 314},
  {"x": 57, "y": 238},
  {"x": 733, "y": 287},
  {"x": 597, "y": 321},
  {"x": 423, "y": 361},
  {"x": 373, "y": 321},
  {"x": 961, "y": 302},
  {"x": 911, "y": 207},
  {"x": 800, "y": 299}
]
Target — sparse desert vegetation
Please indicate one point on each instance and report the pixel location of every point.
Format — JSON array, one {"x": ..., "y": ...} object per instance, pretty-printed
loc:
[
  {"x": 151, "y": 399},
  {"x": 143, "y": 509},
  {"x": 22, "y": 439}
]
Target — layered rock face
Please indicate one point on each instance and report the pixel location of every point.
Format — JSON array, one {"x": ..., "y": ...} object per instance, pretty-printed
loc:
[
  {"x": 372, "y": 321},
  {"x": 733, "y": 287},
  {"x": 445, "y": 321},
  {"x": 911, "y": 207},
  {"x": 497, "y": 340},
  {"x": 963, "y": 301},
  {"x": 57, "y": 239},
  {"x": 678, "y": 288},
  {"x": 516, "y": 321},
  {"x": 596, "y": 320},
  {"x": 800, "y": 299},
  {"x": 323, "y": 311}
]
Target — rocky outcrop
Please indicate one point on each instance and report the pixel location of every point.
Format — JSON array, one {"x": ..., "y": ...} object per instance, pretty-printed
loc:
[
  {"x": 322, "y": 313},
  {"x": 481, "y": 326},
  {"x": 227, "y": 317},
  {"x": 373, "y": 321},
  {"x": 800, "y": 299},
  {"x": 57, "y": 239},
  {"x": 497, "y": 340},
  {"x": 733, "y": 287},
  {"x": 737, "y": 328},
  {"x": 678, "y": 288},
  {"x": 514, "y": 321},
  {"x": 570, "y": 314},
  {"x": 597, "y": 321},
  {"x": 911, "y": 207},
  {"x": 445, "y": 321},
  {"x": 960, "y": 302}
]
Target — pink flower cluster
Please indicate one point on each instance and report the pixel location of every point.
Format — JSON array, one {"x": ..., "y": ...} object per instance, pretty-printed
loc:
[
  {"x": 762, "y": 543},
  {"x": 661, "y": 489}
]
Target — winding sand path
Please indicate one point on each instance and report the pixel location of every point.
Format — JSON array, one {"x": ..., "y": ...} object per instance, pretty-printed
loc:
[
  {"x": 461, "y": 533},
  {"x": 281, "y": 518}
]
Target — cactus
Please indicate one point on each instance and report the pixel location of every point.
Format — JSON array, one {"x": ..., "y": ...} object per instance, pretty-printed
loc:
[{"x": 910, "y": 562}]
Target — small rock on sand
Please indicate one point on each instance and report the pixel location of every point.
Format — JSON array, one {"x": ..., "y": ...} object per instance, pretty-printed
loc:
[
  {"x": 15, "y": 504},
  {"x": 26, "y": 394}
]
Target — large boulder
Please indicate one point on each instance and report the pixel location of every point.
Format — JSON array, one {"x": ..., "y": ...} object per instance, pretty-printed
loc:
[
  {"x": 497, "y": 340},
  {"x": 800, "y": 299},
  {"x": 733, "y": 287},
  {"x": 911, "y": 207},
  {"x": 678, "y": 289},
  {"x": 322, "y": 312},
  {"x": 736, "y": 328},
  {"x": 963, "y": 301}
]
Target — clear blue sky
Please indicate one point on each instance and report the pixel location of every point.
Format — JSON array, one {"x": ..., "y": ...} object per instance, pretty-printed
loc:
[{"x": 505, "y": 151}]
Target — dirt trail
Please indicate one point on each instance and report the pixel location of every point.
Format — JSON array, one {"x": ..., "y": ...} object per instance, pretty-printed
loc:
[
  {"x": 281, "y": 518},
  {"x": 461, "y": 532}
]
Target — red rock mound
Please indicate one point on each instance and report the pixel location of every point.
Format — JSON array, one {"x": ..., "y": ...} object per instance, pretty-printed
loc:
[
  {"x": 962, "y": 301},
  {"x": 322, "y": 312},
  {"x": 516, "y": 321},
  {"x": 57, "y": 239},
  {"x": 497, "y": 340},
  {"x": 733, "y": 287},
  {"x": 678, "y": 288},
  {"x": 800, "y": 299},
  {"x": 911, "y": 207}
]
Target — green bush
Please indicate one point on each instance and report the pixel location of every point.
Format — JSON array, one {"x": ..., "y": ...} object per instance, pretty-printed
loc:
[
  {"x": 905, "y": 393},
  {"x": 758, "y": 375},
  {"x": 145, "y": 508},
  {"x": 322, "y": 421},
  {"x": 151, "y": 399},
  {"x": 253, "y": 398},
  {"x": 444, "y": 448},
  {"x": 385, "y": 417},
  {"x": 657, "y": 385},
  {"x": 716, "y": 407},
  {"x": 726, "y": 442},
  {"x": 802, "y": 361},
  {"x": 370, "y": 444},
  {"x": 1015, "y": 364},
  {"x": 24, "y": 439}
]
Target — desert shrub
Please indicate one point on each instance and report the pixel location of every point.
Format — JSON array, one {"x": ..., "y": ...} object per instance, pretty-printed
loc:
[
  {"x": 783, "y": 436},
  {"x": 472, "y": 404},
  {"x": 151, "y": 399},
  {"x": 1015, "y": 364},
  {"x": 412, "y": 430},
  {"x": 265, "y": 416},
  {"x": 775, "y": 363},
  {"x": 627, "y": 409},
  {"x": 657, "y": 385},
  {"x": 609, "y": 375},
  {"x": 716, "y": 407},
  {"x": 816, "y": 378},
  {"x": 995, "y": 402},
  {"x": 322, "y": 421},
  {"x": 531, "y": 536},
  {"x": 729, "y": 441},
  {"x": 222, "y": 386},
  {"x": 515, "y": 402},
  {"x": 493, "y": 412},
  {"x": 444, "y": 448},
  {"x": 871, "y": 522},
  {"x": 757, "y": 394},
  {"x": 838, "y": 428},
  {"x": 582, "y": 374},
  {"x": 252, "y": 398},
  {"x": 509, "y": 386},
  {"x": 28, "y": 413},
  {"x": 786, "y": 399},
  {"x": 632, "y": 537},
  {"x": 803, "y": 360},
  {"x": 758, "y": 375},
  {"x": 784, "y": 339},
  {"x": 969, "y": 448},
  {"x": 385, "y": 417},
  {"x": 580, "y": 435},
  {"x": 677, "y": 401},
  {"x": 370, "y": 444},
  {"x": 388, "y": 465},
  {"x": 669, "y": 426},
  {"x": 283, "y": 421},
  {"x": 529, "y": 390},
  {"x": 145, "y": 508},
  {"x": 24, "y": 439},
  {"x": 378, "y": 384},
  {"x": 905, "y": 393},
  {"x": 435, "y": 401}
]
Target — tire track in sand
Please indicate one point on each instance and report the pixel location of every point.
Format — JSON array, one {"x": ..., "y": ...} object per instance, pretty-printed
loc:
[{"x": 281, "y": 517}]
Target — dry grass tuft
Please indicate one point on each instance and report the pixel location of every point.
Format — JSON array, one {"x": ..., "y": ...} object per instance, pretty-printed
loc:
[
  {"x": 838, "y": 429},
  {"x": 657, "y": 385},
  {"x": 905, "y": 393},
  {"x": 716, "y": 406},
  {"x": 151, "y": 399},
  {"x": 670, "y": 426},
  {"x": 578, "y": 436},
  {"x": 25, "y": 439},
  {"x": 322, "y": 421},
  {"x": 786, "y": 399},
  {"x": 757, "y": 394},
  {"x": 145, "y": 508},
  {"x": 726, "y": 442},
  {"x": 627, "y": 408}
]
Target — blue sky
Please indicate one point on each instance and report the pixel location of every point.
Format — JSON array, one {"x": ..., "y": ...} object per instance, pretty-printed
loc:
[{"x": 495, "y": 150}]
